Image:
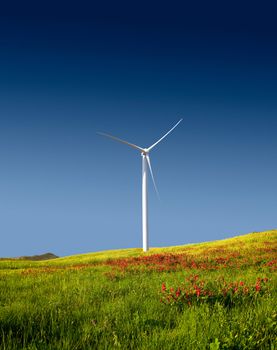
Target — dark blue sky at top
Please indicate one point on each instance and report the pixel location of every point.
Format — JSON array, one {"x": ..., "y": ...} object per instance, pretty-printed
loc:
[{"x": 68, "y": 70}]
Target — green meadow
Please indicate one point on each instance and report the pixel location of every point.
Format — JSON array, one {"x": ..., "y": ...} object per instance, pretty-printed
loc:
[{"x": 213, "y": 295}]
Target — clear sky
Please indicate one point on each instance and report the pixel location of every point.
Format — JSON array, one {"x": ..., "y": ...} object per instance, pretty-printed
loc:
[{"x": 70, "y": 69}]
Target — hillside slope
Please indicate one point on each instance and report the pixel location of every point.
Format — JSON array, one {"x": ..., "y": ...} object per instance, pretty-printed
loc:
[
  {"x": 250, "y": 241},
  {"x": 245, "y": 242}
]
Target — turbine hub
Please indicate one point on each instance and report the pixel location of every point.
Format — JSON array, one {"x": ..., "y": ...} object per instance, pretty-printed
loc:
[{"x": 145, "y": 152}]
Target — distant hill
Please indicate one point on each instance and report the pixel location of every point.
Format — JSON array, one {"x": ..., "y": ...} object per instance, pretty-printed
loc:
[{"x": 46, "y": 256}]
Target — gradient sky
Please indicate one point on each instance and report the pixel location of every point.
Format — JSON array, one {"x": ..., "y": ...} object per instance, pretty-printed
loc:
[{"x": 70, "y": 69}]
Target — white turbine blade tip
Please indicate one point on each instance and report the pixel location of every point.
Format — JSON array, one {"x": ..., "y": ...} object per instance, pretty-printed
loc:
[{"x": 149, "y": 148}]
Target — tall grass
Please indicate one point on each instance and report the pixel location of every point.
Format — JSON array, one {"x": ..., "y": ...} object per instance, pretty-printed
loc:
[{"x": 112, "y": 299}]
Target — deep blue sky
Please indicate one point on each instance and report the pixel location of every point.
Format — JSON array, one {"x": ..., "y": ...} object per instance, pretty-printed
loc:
[{"x": 132, "y": 70}]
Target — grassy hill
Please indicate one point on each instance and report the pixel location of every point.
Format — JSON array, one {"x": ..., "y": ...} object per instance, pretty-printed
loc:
[{"x": 213, "y": 295}]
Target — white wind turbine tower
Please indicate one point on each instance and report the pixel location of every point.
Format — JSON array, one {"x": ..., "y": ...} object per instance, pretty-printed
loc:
[{"x": 145, "y": 162}]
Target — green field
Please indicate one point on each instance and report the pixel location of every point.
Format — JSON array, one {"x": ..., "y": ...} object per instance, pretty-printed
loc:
[{"x": 215, "y": 295}]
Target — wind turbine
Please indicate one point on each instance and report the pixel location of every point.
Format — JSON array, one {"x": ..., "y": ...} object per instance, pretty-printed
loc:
[{"x": 145, "y": 162}]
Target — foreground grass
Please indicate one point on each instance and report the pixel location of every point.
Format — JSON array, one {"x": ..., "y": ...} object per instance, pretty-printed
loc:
[{"x": 112, "y": 299}]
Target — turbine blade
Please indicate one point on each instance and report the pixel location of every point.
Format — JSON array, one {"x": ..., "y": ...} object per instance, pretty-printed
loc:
[
  {"x": 164, "y": 135},
  {"x": 122, "y": 141},
  {"x": 151, "y": 172}
]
